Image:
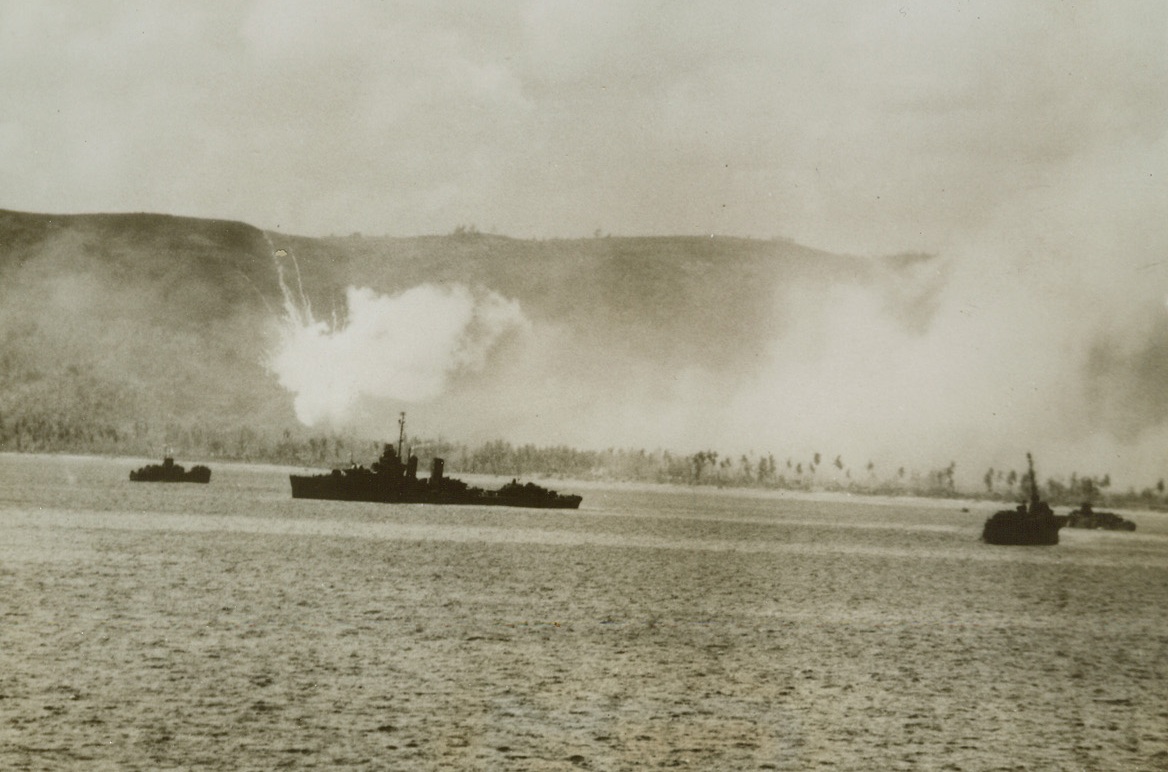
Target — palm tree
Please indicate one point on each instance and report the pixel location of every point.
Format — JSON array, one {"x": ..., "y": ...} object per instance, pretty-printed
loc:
[{"x": 699, "y": 461}]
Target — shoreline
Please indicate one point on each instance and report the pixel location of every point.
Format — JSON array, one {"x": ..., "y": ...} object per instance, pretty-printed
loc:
[{"x": 570, "y": 485}]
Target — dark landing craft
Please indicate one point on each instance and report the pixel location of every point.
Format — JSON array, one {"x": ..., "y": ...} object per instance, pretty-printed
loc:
[
  {"x": 1033, "y": 525},
  {"x": 168, "y": 471},
  {"x": 1085, "y": 517},
  {"x": 389, "y": 481}
]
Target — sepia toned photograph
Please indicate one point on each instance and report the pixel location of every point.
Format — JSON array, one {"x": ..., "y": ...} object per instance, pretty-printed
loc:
[{"x": 547, "y": 385}]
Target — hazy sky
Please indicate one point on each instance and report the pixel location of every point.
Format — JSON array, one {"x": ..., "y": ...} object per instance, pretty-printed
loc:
[
  {"x": 856, "y": 126},
  {"x": 1023, "y": 143}
]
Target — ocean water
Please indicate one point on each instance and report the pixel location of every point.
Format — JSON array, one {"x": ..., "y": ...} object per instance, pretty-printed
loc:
[{"x": 230, "y": 627}]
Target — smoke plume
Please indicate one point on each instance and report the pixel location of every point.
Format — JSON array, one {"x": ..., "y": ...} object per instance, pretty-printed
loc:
[
  {"x": 1047, "y": 332},
  {"x": 403, "y": 347},
  {"x": 1040, "y": 328}
]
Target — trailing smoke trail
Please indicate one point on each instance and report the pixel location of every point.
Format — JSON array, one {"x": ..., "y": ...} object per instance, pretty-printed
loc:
[
  {"x": 403, "y": 347},
  {"x": 299, "y": 309}
]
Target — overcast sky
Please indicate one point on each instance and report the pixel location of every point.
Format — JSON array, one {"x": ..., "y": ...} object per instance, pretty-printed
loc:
[
  {"x": 1022, "y": 143},
  {"x": 854, "y": 126}
]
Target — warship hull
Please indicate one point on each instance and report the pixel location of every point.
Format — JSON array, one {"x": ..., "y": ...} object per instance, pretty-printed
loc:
[
  {"x": 1085, "y": 517},
  {"x": 393, "y": 479},
  {"x": 358, "y": 487},
  {"x": 1022, "y": 529},
  {"x": 1033, "y": 525},
  {"x": 170, "y": 472},
  {"x": 333, "y": 488}
]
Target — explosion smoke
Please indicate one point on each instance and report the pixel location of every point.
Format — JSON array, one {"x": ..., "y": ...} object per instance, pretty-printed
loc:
[{"x": 404, "y": 347}]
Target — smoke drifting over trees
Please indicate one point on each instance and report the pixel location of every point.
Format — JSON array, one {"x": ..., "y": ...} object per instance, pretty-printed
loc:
[
  {"x": 1015, "y": 153},
  {"x": 731, "y": 346},
  {"x": 405, "y": 347}
]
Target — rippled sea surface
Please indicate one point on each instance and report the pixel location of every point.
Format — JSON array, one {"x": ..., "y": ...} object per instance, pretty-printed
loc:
[{"x": 230, "y": 627}]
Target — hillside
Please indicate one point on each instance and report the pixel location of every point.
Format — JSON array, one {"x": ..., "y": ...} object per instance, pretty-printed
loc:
[{"x": 136, "y": 329}]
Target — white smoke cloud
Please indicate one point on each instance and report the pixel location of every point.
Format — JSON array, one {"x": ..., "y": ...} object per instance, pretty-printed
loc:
[
  {"x": 404, "y": 347},
  {"x": 1047, "y": 335}
]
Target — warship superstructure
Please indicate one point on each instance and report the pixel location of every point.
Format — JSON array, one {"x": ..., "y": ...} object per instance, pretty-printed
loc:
[
  {"x": 393, "y": 479},
  {"x": 168, "y": 471},
  {"x": 1032, "y": 524}
]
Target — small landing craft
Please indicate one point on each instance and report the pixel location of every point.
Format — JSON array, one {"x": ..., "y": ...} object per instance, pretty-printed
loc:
[
  {"x": 391, "y": 481},
  {"x": 168, "y": 471},
  {"x": 1032, "y": 525},
  {"x": 1086, "y": 517}
]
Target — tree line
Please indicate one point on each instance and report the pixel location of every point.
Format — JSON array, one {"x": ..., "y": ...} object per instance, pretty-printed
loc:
[{"x": 50, "y": 433}]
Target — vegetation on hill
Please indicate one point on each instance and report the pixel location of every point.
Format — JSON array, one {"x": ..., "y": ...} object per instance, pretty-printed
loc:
[
  {"x": 133, "y": 333},
  {"x": 109, "y": 321}
]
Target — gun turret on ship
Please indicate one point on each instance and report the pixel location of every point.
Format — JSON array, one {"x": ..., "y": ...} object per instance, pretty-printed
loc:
[
  {"x": 392, "y": 480},
  {"x": 1031, "y": 525}
]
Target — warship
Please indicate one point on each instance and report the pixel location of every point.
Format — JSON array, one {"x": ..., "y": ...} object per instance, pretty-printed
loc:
[
  {"x": 168, "y": 471},
  {"x": 1086, "y": 517},
  {"x": 390, "y": 480},
  {"x": 1031, "y": 525}
]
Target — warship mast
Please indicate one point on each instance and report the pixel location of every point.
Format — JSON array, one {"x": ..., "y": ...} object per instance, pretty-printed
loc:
[{"x": 1033, "y": 481}]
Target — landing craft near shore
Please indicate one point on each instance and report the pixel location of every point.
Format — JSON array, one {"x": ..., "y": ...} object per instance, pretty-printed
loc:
[
  {"x": 1086, "y": 517},
  {"x": 168, "y": 471},
  {"x": 392, "y": 481},
  {"x": 1033, "y": 525}
]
